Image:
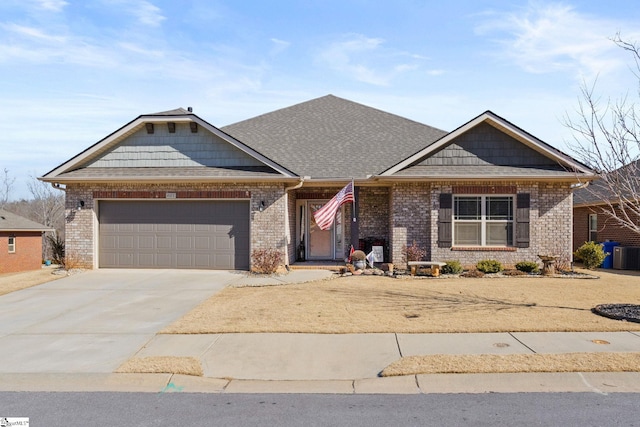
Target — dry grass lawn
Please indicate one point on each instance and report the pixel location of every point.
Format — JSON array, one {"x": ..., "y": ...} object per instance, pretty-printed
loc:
[
  {"x": 162, "y": 365},
  {"x": 514, "y": 363},
  {"x": 10, "y": 282},
  {"x": 372, "y": 304}
]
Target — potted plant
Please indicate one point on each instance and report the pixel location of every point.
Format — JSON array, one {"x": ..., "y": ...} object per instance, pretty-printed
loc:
[{"x": 359, "y": 260}]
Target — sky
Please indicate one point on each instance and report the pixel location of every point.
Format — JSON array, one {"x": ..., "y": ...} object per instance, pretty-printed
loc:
[{"x": 72, "y": 72}]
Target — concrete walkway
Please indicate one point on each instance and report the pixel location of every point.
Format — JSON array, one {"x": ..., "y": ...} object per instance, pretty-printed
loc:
[{"x": 71, "y": 334}]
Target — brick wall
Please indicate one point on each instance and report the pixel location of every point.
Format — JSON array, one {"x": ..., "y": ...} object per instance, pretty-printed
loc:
[
  {"x": 410, "y": 217},
  {"x": 28, "y": 254},
  {"x": 268, "y": 229},
  {"x": 414, "y": 216},
  {"x": 608, "y": 229}
]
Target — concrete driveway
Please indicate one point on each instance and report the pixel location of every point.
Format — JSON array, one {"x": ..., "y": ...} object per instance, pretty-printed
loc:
[{"x": 94, "y": 321}]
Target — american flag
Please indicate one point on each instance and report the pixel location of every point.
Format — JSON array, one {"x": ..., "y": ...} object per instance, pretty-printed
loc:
[{"x": 325, "y": 215}]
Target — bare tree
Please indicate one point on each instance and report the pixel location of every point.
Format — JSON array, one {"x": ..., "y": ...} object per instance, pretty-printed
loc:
[
  {"x": 607, "y": 138},
  {"x": 47, "y": 204},
  {"x": 5, "y": 187}
]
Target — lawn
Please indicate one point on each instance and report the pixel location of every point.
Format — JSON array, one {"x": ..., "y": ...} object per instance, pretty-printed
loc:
[
  {"x": 371, "y": 304},
  {"x": 11, "y": 282}
]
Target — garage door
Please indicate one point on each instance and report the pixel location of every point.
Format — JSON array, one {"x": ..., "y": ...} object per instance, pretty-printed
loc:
[{"x": 174, "y": 234}]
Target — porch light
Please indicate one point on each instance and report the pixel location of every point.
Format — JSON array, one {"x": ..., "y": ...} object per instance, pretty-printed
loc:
[{"x": 80, "y": 204}]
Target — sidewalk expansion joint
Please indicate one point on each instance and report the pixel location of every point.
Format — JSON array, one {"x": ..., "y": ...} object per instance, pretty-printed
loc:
[
  {"x": 398, "y": 344},
  {"x": 530, "y": 349}
]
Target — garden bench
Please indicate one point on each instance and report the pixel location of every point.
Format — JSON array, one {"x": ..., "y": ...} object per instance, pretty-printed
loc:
[{"x": 435, "y": 266}]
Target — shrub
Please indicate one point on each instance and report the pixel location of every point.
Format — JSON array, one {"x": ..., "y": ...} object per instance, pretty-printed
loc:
[
  {"x": 473, "y": 274},
  {"x": 591, "y": 254},
  {"x": 57, "y": 249},
  {"x": 528, "y": 266},
  {"x": 489, "y": 266},
  {"x": 514, "y": 273},
  {"x": 266, "y": 261},
  {"x": 413, "y": 252},
  {"x": 452, "y": 267},
  {"x": 358, "y": 256},
  {"x": 72, "y": 261}
]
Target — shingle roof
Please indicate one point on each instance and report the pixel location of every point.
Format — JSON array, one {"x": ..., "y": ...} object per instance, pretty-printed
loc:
[
  {"x": 331, "y": 137},
  {"x": 12, "y": 222}
]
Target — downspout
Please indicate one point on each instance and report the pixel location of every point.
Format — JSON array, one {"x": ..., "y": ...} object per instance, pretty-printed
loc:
[{"x": 287, "y": 237}]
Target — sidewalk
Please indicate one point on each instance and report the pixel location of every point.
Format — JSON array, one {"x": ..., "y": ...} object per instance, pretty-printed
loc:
[
  {"x": 264, "y": 363},
  {"x": 346, "y": 364}
]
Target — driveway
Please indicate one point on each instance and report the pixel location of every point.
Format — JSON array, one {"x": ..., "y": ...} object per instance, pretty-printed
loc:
[{"x": 94, "y": 321}]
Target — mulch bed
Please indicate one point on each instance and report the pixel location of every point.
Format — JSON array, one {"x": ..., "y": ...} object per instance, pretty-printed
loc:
[{"x": 628, "y": 312}]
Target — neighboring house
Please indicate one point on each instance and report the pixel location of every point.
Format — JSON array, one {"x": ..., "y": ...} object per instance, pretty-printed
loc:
[
  {"x": 592, "y": 219},
  {"x": 170, "y": 190},
  {"x": 20, "y": 243}
]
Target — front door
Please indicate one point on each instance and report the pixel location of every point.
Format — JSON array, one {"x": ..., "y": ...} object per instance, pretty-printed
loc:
[{"x": 320, "y": 244}]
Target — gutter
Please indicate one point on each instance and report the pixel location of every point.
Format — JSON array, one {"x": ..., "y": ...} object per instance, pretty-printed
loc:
[{"x": 298, "y": 185}]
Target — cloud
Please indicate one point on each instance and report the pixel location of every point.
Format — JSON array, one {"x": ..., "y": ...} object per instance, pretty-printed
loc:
[
  {"x": 52, "y": 5},
  {"x": 147, "y": 13},
  {"x": 549, "y": 37},
  {"x": 279, "y": 46},
  {"x": 367, "y": 60}
]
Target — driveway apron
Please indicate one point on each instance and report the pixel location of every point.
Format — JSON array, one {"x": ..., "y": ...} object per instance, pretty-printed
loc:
[{"x": 94, "y": 321}]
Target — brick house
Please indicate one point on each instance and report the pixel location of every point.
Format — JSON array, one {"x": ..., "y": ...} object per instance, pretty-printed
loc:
[
  {"x": 21, "y": 243},
  {"x": 170, "y": 190},
  {"x": 592, "y": 222}
]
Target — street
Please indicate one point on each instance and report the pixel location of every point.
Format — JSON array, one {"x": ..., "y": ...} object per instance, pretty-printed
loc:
[{"x": 183, "y": 409}]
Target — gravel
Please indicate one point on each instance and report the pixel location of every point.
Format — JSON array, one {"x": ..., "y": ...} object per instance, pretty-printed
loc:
[{"x": 628, "y": 312}]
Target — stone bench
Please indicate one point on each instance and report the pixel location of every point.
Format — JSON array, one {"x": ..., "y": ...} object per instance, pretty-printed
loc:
[{"x": 435, "y": 266}]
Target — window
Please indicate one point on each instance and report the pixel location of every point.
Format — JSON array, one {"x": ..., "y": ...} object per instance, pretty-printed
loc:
[
  {"x": 12, "y": 245},
  {"x": 483, "y": 221},
  {"x": 593, "y": 227}
]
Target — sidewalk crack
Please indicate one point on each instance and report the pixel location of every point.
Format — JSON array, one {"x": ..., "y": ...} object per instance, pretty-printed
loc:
[
  {"x": 398, "y": 344},
  {"x": 515, "y": 338}
]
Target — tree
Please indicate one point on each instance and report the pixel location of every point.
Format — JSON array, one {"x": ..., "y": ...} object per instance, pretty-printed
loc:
[
  {"x": 607, "y": 139},
  {"x": 5, "y": 187}
]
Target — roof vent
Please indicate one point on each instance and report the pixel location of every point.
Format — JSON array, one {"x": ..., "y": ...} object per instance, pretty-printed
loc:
[{"x": 189, "y": 109}]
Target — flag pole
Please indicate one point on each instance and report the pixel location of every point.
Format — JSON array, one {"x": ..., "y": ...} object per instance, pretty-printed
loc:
[{"x": 353, "y": 206}]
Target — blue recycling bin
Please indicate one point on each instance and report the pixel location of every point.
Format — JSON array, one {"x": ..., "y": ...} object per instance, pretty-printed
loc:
[{"x": 608, "y": 250}]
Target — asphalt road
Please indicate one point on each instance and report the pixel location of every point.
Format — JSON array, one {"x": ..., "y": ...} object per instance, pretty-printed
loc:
[{"x": 182, "y": 409}]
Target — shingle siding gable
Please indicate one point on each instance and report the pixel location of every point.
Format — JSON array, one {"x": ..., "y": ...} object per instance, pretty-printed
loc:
[
  {"x": 485, "y": 145},
  {"x": 180, "y": 149}
]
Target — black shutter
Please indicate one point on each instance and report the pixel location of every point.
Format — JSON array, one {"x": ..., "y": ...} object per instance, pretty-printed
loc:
[
  {"x": 444, "y": 220},
  {"x": 523, "y": 203}
]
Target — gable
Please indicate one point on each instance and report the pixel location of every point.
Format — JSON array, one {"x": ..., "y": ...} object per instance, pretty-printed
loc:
[
  {"x": 182, "y": 148},
  {"x": 485, "y": 145},
  {"x": 170, "y": 145},
  {"x": 489, "y": 147}
]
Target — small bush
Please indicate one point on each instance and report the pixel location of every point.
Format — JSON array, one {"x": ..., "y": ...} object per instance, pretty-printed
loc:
[
  {"x": 489, "y": 266},
  {"x": 514, "y": 273},
  {"x": 528, "y": 266},
  {"x": 72, "y": 261},
  {"x": 266, "y": 261},
  {"x": 358, "y": 256},
  {"x": 473, "y": 274},
  {"x": 452, "y": 267},
  {"x": 591, "y": 254},
  {"x": 57, "y": 249},
  {"x": 413, "y": 252}
]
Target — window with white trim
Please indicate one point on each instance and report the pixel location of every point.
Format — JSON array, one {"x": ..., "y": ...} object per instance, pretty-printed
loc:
[
  {"x": 12, "y": 245},
  {"x": 593, "y": 227},
  {"x": 483, "y": 220}
]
